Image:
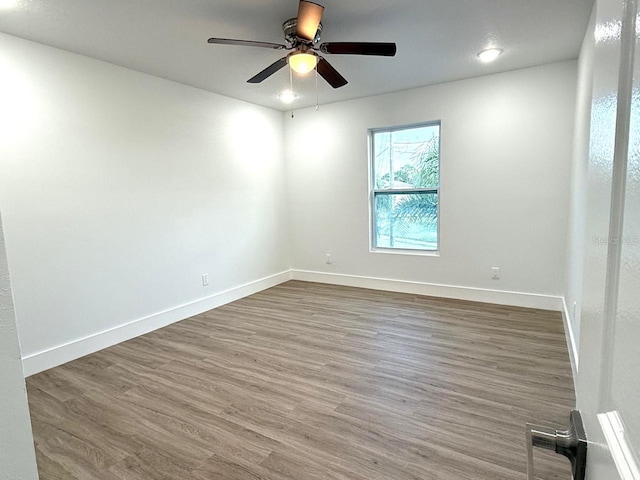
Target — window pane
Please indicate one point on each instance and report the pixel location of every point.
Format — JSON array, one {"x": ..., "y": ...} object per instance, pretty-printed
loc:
[
  {"x": 407, "y": 221},
  {"x": 382, "y": 163},
  {"x": 407, "y": 158}
]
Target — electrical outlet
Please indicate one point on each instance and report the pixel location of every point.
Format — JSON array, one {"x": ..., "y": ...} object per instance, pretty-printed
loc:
[
  {"x": 328, "y": 257},
  {"x": 205, "y": 279},
  {"x": 495, "y": 273}
]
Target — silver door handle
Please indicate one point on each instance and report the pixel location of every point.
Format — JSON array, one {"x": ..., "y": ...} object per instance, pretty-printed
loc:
[{"x": 571, "y": 443}]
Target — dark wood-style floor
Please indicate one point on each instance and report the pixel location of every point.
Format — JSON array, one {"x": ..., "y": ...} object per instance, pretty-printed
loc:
[{"x": 306, "y": 381}]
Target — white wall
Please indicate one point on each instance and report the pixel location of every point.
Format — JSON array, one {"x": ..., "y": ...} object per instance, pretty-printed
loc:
[
  {"x": 578, "y": 206},
  {"x": 17, "y": 456},
  {"x": 506, "y": 158},
  {"x": 120, "y": 189}
]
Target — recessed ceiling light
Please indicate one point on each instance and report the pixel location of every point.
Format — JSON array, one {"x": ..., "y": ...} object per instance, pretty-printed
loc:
[
  {"x": 7, "y": 4},
  {"x": 287, "y": 96},
  {"x": 490, "y": 54}
]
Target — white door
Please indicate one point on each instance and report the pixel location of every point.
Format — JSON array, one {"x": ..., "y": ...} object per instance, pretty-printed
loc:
[
  {"x": 17, "y": 455},
  {"x": 608, "y": 383}
]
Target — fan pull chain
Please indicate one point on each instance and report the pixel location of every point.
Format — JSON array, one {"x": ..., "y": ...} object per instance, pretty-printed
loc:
[
  {"x": 291, "y": 85},
  {"x": 317, "y": 95}
]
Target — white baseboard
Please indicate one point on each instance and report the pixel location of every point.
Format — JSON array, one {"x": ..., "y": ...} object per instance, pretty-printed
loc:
[
  {"x": 571, "y": 341},
  {"x": 40, "y": 361},
  {"x": 60, "y": 354},
  {"x": 500, "y": 297}
]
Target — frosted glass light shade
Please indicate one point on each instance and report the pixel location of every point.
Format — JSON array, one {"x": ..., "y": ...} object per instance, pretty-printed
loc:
[
  {"x": 8, "y": 4},
  {"x": 303, "y": 62}
]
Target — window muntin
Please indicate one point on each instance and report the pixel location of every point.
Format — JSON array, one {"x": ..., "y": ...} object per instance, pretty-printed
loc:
[{"x": 405, "y": 173}]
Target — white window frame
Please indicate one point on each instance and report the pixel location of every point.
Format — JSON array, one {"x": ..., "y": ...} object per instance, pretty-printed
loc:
[{"x": 373, "y": 192}]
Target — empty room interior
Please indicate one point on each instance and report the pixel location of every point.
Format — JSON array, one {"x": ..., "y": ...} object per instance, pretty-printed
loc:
[{"x": 359, "y": 240}]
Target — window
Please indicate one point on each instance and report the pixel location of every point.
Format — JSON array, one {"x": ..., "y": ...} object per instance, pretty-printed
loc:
[{"x": 405, "y": 173}]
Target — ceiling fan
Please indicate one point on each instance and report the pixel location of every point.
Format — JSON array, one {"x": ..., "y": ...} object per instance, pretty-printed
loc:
[{"x": 302, "y": 35}]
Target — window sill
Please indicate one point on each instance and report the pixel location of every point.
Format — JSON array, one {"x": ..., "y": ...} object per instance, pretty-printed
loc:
[{"x": 399, "y": 251}]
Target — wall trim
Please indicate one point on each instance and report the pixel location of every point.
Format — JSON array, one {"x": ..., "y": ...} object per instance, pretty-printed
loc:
[
  {"x": 52, "y": 357},
  {"x": 500, "y": 297},
  {"x": 572, "y": 346}
]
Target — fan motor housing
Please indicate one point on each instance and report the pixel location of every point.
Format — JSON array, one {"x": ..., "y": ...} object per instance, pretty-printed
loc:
[{"x": 290, "y": 27}]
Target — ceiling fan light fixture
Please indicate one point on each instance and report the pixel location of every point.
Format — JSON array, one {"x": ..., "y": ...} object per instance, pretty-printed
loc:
[
  {"x": 8, "y": 4},
  {"x": 302, "y": 37},
  {"x": 489, "y": 55},
  {"x": 303, "y": 62},
  {"x": 287, "y": 96}
]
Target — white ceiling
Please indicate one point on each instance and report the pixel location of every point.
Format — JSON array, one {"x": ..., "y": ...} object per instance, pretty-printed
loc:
[{"x": 437, "y": 39}]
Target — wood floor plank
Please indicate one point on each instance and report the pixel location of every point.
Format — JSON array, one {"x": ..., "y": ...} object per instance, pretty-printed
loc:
[{"x": 312, "y": 382}]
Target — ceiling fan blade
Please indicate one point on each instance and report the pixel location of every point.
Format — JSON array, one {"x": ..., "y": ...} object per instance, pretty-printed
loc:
[
  {"x": 359, "y": 48},
  {"x": 330, "y": 74},
  {"x": 309, "y": 17},
  {"x": 246, "y": 43},
  {"x": 270, "y": 70}
]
